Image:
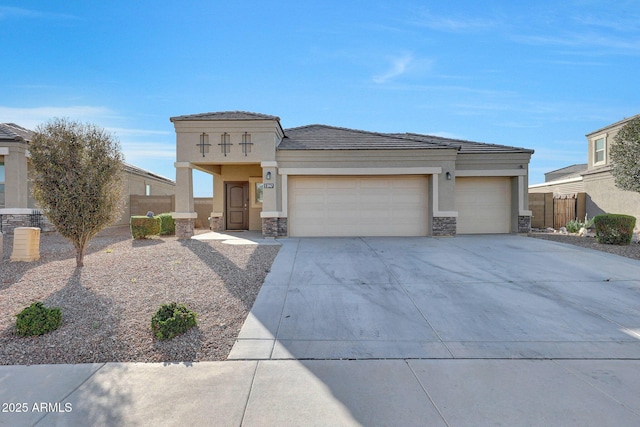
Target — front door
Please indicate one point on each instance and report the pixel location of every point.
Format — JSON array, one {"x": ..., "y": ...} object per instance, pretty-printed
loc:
[{"x": 237, "y": 205}]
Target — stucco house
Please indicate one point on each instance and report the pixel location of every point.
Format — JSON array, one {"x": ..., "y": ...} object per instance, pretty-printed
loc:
[
  {"x": 320, "y": 180},
  {"x": 602, "y": 194},
  {"x": 16, "y": 204}
]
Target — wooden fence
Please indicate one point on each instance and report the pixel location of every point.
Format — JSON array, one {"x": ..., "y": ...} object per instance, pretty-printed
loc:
[{"x": 555, "y": 211}]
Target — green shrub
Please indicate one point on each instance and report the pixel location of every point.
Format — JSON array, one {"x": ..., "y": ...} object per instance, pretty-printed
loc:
[
  {"x": 574, "y": 226},
  {"x": 614, "y": 229},
  {"x": 38, "y": 320},
  {"x": 171, "y": 320},
  {"x": 167, "y": 224},
  {"x": 588, "y": 223},
  {"x": 143, "y": 226}
]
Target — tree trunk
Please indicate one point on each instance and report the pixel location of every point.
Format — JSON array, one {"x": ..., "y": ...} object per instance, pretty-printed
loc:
[{"x": 80, "y": 254}]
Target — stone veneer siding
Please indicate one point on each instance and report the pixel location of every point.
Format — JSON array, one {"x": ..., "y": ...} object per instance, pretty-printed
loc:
[
  {"x": 444, "y": 226},
  {"x": 524, "y": 224},
  {"x": 274, "y": 227},
  {"x": 184, "y": 228},
  {"x": 13, "y": 221},
  {"x": 217, "y": 223}
]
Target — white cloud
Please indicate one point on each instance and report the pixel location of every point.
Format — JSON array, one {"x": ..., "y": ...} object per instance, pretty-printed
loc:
[
  {"x": 397, "y": 68},
  {"x": 586, "y": 42},
  {"x": 9, "y": 12},
  {"x": 452, "y": 25},
  {"x": 137, "y": 132},
  {"x": 30, "y": 118}
]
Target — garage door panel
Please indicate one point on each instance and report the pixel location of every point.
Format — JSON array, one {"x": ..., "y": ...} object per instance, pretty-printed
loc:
[
  {"x": 358, "y": 206},
  {"x": 483, "y": 204}
]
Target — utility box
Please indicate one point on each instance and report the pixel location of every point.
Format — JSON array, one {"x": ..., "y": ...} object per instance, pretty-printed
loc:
[{"x": 26, "y": 244}]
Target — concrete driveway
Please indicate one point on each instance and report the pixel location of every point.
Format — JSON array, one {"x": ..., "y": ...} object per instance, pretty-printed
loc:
[{"x": 442, "y": 298}]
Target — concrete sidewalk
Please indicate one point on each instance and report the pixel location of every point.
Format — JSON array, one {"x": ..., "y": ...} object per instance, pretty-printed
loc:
[{"x": 325, "y": 393}]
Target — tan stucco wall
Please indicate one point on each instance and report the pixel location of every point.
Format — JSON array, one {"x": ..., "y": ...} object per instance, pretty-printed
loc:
[
  {"x": 604, "y": 197},
  {"x": 265, "y": 134},
  {"x": 608, "y": 133}
]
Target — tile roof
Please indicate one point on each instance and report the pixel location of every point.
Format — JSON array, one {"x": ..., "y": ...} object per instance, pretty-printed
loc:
[
  {"x": 465, "y": 147},
  {"x": 566, "y": 172},
  {"x": 618, "y": 123},
  {"x": 322, "y": 137},
  {"x": 13, "y": 132},
  {"x": 139, "y": 171},
  {"x": 226, "y": 115}
]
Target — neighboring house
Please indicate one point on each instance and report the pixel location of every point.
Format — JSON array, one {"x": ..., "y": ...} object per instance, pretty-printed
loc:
[
  {"x": 594, "y": 178},
  {"x": 562, "y": 182},
  {"x": 602, "y": 194},
  {"x": 17, "y": 207},
  {"x": 320, "y": 180},
  {"x": 142, "y": 182}
]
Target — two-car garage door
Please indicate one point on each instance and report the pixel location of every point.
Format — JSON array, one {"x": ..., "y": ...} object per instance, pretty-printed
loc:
[{"x": 358, "y": 206}]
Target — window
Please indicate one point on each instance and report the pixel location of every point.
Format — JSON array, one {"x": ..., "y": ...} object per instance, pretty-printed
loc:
[
  {"x": 2, "y": 184},
  {"x": 258, "y": 197},
  {"x": 147, "y": 190},
  {"x": 255, "y": 191},
  {"x": 599, "y": 151}
]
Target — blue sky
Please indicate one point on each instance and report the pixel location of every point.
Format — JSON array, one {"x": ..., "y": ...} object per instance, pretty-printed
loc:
[{"x": 538, "y": 75}]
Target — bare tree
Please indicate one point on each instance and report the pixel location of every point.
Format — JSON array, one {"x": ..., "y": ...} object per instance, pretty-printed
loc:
[
  {"x": 78, "y": 179},
  {"x": 625, "y": 156}
]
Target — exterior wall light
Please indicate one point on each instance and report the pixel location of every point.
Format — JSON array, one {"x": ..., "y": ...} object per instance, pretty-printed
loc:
[
  {"x": 448, "y": 175},
  {"x": 268, "y": 175}
]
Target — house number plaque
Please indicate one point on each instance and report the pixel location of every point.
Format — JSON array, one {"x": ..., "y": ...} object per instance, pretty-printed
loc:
[{"x": 268, "y": 185}]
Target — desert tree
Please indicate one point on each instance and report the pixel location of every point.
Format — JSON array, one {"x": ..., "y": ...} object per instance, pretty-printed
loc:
[
  {"x": 77, "y": 179},
  {"x": 625, "y": 156}
]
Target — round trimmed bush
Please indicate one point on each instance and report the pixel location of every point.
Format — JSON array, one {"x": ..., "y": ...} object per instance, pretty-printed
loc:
[
  {"x": 38, "y": 320},
  {"x": 171, "y": 320},
  {"x": 614, "y": 229}
]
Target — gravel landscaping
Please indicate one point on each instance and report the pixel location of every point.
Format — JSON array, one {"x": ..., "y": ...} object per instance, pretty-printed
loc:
[
  {"x": 629, "y": 251},
  {"x": 107, "y": 305}
]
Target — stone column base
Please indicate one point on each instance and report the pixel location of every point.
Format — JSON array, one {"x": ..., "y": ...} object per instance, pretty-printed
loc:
[
  {"x": 184, "y": 228},
  {"x": 217, "y": 223},
  {"x": 274, "y": 227},
  {"x": 11, "y": 219},
  {"x": 444, "y": 226},
  {"x": 524, "y": 224}
]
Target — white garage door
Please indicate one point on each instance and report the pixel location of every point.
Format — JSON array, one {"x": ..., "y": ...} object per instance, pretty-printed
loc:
[
  {"x": 484, "y": 205},
  {"x": 358, "y": 206}
]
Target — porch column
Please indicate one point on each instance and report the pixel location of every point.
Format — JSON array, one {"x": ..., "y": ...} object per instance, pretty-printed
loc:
[
  {"x": 185, "y": 214},
  {"x": 16, "y": 176},
  {"x": 524, "y": 214}
]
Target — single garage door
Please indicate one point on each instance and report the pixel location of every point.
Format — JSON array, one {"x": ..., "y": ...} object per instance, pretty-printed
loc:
[
  {"x": 358, "y": 206},
  {"x": 484, "y": 205}
]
